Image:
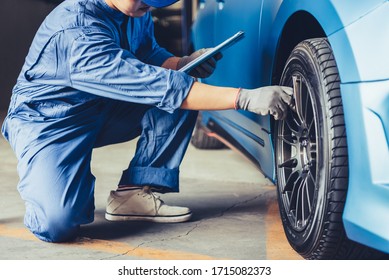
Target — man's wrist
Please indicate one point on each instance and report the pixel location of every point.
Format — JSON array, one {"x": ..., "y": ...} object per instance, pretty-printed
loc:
[
  {"x": 171, "y": 63},
  {"x": 236, "y": 106}
]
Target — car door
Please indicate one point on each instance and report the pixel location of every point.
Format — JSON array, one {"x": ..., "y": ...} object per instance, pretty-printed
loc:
[{"x": 242, "y": 66}]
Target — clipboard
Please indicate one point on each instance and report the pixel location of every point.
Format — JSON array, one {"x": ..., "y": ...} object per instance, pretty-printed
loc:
[{"x": 213, "y": 51}]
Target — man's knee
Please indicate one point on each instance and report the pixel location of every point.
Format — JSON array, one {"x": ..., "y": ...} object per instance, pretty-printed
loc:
[{"x": 52, "y": 227}]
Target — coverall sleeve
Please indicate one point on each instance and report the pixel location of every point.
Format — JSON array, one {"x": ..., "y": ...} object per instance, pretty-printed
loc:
[{"x": 98, "y": 65}]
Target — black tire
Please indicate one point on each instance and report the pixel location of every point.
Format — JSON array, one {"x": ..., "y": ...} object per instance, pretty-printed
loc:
[
  {"x": 201, "y": 140},
  {"x": 312, "y": 158}
]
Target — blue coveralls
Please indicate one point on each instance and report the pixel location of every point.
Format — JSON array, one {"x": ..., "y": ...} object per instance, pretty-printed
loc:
[{"x": 85, "y": 84}]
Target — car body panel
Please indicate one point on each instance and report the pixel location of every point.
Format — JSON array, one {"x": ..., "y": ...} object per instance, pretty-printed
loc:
[
  {"x": 359, "y": 51},
  {"x": 366, "y": 213},
  {"x": 358, "y": 34}
]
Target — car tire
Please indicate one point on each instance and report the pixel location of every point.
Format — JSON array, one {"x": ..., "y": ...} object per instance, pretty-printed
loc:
[
  {"x": 201, "y": 140},
  {"x": 312, "y": 158}
]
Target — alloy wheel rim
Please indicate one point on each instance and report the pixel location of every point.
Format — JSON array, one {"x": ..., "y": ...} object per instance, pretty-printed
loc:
[{"x": 298, "y": 145}]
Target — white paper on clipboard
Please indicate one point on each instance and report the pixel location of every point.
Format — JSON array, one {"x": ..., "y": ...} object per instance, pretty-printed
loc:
[{"x": 213, "y": 51}]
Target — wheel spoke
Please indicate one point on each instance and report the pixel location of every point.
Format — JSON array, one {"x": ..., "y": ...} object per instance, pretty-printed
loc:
[
  {"x": 296, "y": 224},
  {"x": 312, "y": 170},
  {"x": 293, "y": 197},
  {"x": 292, "y": 123},
  {"x": 297, "y": 93},
  {"x": 298, "y": 201},
  {"x": 295, "y": 193},
  {"x": 311, "y": 184},
  {"x": 306, "y": 108},
  {"x": 311, "y": 128},
  {"x": 308, "y": 111},
  {"x": 297, "y": 121},
  {"x": 288, "y": 139},
  {"x": 308, "y": 197},
  {"x": 290, "y": 182},
  {"x": 302, "y": 204},
  {"x": 305, "y": 203}
]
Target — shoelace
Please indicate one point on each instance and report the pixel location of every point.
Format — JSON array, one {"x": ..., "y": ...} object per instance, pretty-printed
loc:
[{"x": 148, "y": 192}]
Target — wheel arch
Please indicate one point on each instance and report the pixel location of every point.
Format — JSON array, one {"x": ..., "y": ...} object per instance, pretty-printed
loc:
[{"x": 300, "y": 26}]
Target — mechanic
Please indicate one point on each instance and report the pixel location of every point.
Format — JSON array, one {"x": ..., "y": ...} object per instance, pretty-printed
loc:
[{"x": 95, "y": 76}]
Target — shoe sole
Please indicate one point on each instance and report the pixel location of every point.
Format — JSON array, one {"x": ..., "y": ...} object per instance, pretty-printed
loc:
[{"x": 155, "y": 219}]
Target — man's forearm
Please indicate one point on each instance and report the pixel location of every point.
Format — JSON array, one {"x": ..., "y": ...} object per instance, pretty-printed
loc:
[{"x": 206, "y": 97}]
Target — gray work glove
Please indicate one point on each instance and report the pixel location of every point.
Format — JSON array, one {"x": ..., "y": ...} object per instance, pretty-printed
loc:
[
  {"x": 272, "y": 100},
  {"x": 205, "y": 69}
]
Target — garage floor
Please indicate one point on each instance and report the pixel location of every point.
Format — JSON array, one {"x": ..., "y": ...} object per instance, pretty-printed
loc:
[{"x": 235, "y": 214}]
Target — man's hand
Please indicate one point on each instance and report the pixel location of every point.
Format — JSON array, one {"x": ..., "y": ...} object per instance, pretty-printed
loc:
[
  {"x": 205, "y": 69},
  {"x": 272, "y": 100}
]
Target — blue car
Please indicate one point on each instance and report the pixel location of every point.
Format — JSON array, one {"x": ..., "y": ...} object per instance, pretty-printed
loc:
[{"x": 330, "y": 157}]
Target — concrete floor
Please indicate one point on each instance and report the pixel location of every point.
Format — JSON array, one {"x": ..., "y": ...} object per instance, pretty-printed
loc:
[{"x": 235, "y": 214}]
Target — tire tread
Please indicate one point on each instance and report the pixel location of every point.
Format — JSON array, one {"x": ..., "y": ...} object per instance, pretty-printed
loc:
[{"x": 334, "y": 243}]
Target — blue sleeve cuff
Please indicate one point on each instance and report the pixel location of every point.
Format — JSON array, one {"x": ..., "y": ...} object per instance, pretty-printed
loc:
[{"x": 178, "y": 89}]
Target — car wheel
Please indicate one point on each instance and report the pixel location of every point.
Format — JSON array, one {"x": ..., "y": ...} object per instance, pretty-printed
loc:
[
  {"x": 201, "y": 140},
  {"x": 312, "y": 159}
]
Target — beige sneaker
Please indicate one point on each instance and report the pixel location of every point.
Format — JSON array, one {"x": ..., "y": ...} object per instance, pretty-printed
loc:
[{"x": 141, "y": 204}]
